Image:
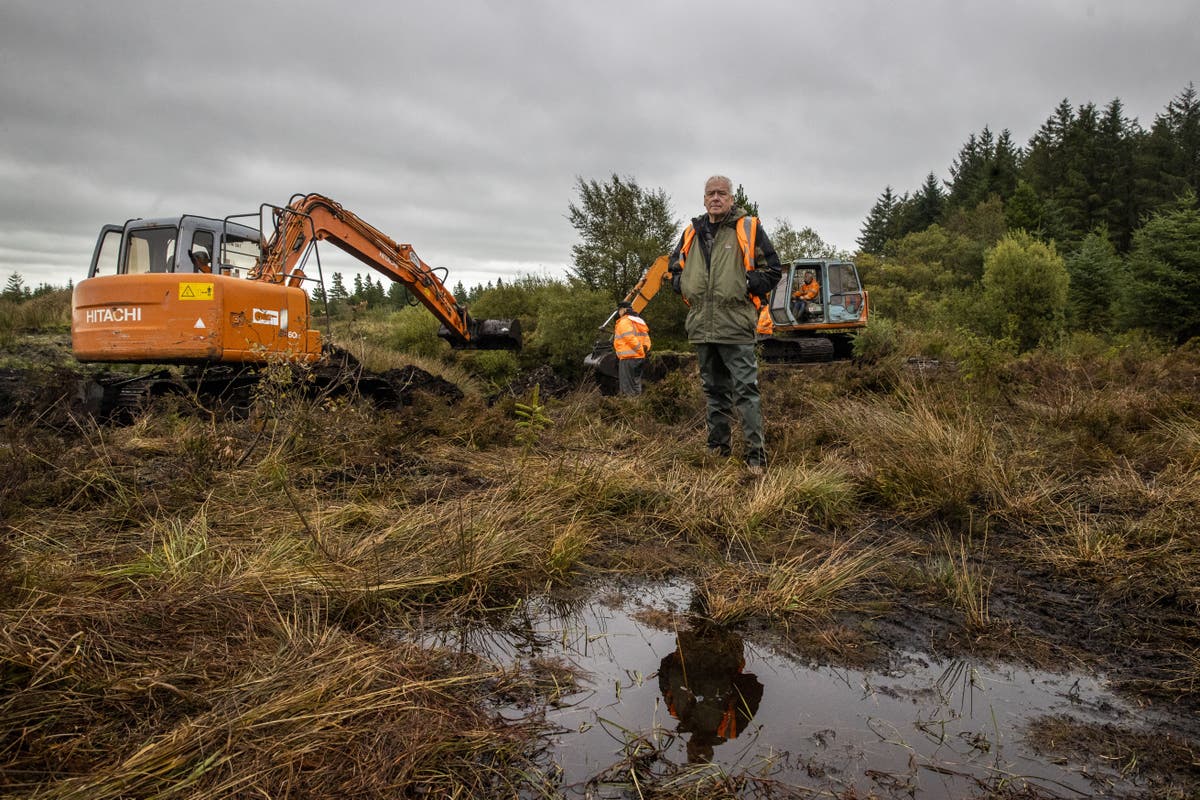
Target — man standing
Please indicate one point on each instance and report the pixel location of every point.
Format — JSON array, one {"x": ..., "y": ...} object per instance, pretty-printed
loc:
[
  {"x": 631, "y": 341},
  {"x": 725, "y": 267}
]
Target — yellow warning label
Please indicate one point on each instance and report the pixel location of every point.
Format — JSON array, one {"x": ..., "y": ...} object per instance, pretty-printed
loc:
[{"x": 195, "y": 291}]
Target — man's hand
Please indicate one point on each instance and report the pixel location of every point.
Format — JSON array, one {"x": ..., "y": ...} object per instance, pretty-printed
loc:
[{"x": 758, "y": 284}]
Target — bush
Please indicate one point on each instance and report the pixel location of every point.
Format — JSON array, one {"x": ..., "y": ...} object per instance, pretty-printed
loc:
[
  {"x": 497, "y": 367},
  {"x": 414, "y": 330},
  {"x": 567, "y": 327},
  {"x": 1025, "y": 291},
  {"x": 876, "y": 341}
]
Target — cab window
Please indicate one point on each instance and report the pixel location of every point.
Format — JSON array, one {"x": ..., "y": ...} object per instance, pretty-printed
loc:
[
  {"x": 150, "y": 250},
  {"x": 110, "y": 250},
  {"x": 202, "y": 242},
  {"x": 240, "y": 253}
]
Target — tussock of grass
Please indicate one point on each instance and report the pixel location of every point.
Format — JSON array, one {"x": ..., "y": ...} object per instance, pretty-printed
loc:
[
  {"x": 920, "y": 462},
  {"x": 811, "y": 585},
  {"x": 964, "y": 582}
]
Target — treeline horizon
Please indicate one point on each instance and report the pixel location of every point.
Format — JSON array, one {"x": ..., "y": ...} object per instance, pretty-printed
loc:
[{"x": 1085, "y": 168}]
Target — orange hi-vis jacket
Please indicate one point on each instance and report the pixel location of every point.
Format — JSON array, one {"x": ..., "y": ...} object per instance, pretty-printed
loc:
[
  {"x": 747, "y": 235},
  {"x": 766, "y": 326},
  {"x": 807, "y": 291},
  {"x": 631, "y": 337}
]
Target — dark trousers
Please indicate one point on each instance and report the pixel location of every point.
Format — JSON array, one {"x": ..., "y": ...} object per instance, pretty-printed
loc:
[
  {"x": 629, "y": 371},
  {"x": 729, "y": 376}
]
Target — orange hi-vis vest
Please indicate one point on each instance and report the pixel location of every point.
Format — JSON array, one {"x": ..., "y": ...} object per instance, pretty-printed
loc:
[
  {"x": 747, "y": 233},
  {"x": 631, "y": 337}
]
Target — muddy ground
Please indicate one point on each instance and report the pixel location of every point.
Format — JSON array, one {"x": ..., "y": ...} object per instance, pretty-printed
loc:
[{"x": 1043, "y": 618}]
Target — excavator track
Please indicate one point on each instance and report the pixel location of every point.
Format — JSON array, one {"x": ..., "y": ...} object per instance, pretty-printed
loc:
[
  {"x": 800, "y": 350},
  {"x": 230, "y": 389}
]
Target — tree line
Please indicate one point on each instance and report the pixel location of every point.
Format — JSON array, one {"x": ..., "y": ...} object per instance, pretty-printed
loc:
[
  {"x": 1091, "y": 226},
  {"x": 15, "y": 290},
  {"x": 1084, "y": 169}
]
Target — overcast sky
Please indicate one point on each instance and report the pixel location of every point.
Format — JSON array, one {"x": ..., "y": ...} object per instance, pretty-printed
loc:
[{"x": 461, "y": 127}]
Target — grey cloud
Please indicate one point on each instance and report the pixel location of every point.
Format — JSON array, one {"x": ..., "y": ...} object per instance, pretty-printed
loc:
[{"x": 461, "y": 127}]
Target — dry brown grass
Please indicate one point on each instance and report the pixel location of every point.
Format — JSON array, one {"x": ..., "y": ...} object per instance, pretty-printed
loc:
[
  {"x": 806, "y": 586},
  {"x": 197, "y": 607},
  {"x": 919, "y": 459}
]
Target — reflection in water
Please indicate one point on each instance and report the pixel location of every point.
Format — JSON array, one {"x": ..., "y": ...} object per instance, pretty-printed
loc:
[
  {"x": 924, "y": 728},
  {"x": 705, "y": 689}
]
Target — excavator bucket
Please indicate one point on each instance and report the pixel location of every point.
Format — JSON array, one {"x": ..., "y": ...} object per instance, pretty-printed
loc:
[
  {"x": 602, "y": 359},
  {"x": 498, "y": 334},
  {"x": 486, "y": 334}
]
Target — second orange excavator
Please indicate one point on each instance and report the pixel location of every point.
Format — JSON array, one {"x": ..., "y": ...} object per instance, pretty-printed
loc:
[{"x": 206, "y": 292}]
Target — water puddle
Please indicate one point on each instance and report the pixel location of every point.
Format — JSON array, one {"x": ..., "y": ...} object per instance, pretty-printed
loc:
[{"x": 660, "y": 698}]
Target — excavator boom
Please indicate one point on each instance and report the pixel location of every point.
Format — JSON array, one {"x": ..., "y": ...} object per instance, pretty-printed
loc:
[
  {"x": 602, "y": 359},
  {"x": 312, "y": 218}
]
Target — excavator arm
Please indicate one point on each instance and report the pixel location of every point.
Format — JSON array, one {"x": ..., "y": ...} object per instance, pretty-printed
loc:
[
  {"x": 602, "y": 359},
  {"x": 312, "y": 218},
  {"x": 644, "y": 290}
]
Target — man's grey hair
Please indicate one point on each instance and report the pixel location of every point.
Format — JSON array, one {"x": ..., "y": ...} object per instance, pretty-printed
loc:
[{"x": 722, "y": 179}]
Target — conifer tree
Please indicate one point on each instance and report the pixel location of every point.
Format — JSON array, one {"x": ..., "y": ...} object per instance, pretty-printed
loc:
[
  {"x": 1163, "y": 276},
  {"x": 928, "y": 204},
  {"x": 1094, "y": 271},
  {"x": 14, "y": 289},
  {"x": 967, "y": 173},
  {"x": 1044, "y": 166},
  {"x": 337, "y": 288},
  {"x": 740, "y": 200},
  {"x": 879, "y": 223},
  {"x": 1116, "y": 153},
  {"x": 1170, "y": 158}
]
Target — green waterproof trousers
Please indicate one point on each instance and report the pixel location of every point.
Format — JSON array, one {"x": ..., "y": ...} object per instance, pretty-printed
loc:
[{"x": 729, "y": 376}]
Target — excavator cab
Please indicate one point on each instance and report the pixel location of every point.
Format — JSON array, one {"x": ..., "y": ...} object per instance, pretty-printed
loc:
[
  {"x": 815, "y": 323},
  {"x": 170, "y": 245},
  {"x": 147, "y": 299}
]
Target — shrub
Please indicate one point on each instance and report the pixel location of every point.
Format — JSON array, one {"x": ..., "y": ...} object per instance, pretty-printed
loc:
[
  {"x": 414, "y": 330},
  {"x": 567, "y": 325},
  {"x": 876, "y": 341},
  {"x": 1025, "y": 290},
  {"x": 497, "y": 367}
]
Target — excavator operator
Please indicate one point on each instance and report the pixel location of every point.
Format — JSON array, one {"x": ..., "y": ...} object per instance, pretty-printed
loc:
[
  {"x": 804, "y": 294},
  {"x": 200, "y": 261}
]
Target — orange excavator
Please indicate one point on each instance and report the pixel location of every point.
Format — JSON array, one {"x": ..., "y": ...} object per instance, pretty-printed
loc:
[{"x": 211, "y": 293}]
